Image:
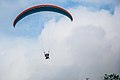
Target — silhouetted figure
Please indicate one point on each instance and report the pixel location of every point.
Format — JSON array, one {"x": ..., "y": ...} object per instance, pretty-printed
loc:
[{"x": 46, "y": 55}]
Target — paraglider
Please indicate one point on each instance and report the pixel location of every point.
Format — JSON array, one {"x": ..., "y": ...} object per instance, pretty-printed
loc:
[
  {"x": 40, "y": 8},
  {"x": 47, "y": 55}
]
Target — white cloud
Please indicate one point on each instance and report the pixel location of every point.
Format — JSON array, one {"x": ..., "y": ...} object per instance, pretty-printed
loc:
[
  {"x": 87, "y": 47},
  {"x": 90, "y": 42}
]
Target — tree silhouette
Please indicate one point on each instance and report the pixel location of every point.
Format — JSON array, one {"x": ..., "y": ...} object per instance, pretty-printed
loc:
[{"x": 111, "y": 77}]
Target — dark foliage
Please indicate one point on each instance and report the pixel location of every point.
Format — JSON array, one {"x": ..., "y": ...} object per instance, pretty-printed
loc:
[{"x": 111, "y": 77}]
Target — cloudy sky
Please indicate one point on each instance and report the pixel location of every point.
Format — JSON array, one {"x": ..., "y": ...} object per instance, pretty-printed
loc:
[{"x": 88, "y": 47}]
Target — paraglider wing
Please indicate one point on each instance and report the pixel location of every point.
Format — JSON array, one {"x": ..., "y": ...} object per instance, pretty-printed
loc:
[{"x": 40, "y": 8}]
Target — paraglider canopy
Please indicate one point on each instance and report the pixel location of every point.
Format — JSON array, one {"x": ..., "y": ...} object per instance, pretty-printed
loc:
[{"x": 39, "y": 8}]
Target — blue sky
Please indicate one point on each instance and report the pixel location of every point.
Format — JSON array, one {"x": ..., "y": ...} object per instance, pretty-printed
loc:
[
  {"x": 87, "y": 47},
  {"x": 15, "y": 7}
]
